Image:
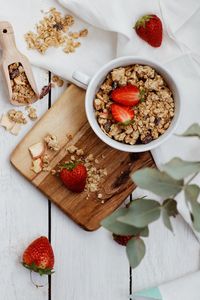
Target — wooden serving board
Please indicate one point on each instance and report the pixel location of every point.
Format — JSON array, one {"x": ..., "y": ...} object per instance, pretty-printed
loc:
[{"x": 67, "y": 116}]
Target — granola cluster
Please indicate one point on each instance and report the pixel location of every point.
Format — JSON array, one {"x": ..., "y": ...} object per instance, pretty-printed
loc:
[
  {"x": 53, "y": 31},
  {"x": 13, "y": 119},
  {"x": 22, "y": 91},
  {"x": 153, "y": 115}
]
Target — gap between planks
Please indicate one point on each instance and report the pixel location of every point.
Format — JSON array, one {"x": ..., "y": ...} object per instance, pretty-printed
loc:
[
  {"x": 49, "y": 202},
  {"x": 49, "y": 221}
]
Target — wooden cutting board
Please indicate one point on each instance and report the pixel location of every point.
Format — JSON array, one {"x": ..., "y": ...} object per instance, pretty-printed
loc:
[{"x": 67, "y": 116}]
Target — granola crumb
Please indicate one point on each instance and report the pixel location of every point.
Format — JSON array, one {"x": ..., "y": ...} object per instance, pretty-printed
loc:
[
  {"x": 52, "y": 142},
  {"x": 32, "y": 114},
  {"x": 71, "y": 149},
  {"x": 79, "y": 152}
]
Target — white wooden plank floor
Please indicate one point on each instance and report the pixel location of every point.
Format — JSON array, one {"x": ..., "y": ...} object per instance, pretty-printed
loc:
[{"x": 89, "y": 266}]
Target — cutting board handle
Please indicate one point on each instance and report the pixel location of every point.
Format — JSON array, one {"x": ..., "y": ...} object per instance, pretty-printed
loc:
[{"x": 81, "y": 79}]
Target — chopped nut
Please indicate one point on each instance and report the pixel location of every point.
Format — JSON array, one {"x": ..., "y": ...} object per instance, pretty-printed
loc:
[
  {"x": 90, "y": 157},
  {"x": 31, "y": 113},
  {"x": 72, "y": 149},
  {"x": 99, "y": 196},
  {"x": 52, "y": 142},
  {"x": 79, "y": 152}
]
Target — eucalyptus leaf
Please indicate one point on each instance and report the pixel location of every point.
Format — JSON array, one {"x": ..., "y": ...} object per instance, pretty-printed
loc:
[
  {"x": 141, "y": 213},
  {"x": 170, "y": 206},
  {"x": 157, "y": 182},
  {"x": 145, "y": 232},
  {"x": 192, "y": 131},
  {"x": 112, "y": 224},
  {"x": 192, "y": 193},
  {"x": 166, "y": 219},
  {"x": 179, "y": 169},
  {"x": 135, "y": 250}
]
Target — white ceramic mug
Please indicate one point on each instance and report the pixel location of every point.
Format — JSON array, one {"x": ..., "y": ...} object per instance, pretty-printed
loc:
[{"x": 93, "y": 84}]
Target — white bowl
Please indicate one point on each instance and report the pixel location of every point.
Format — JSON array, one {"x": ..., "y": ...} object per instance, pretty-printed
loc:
[{"x": 94, "y": 84}]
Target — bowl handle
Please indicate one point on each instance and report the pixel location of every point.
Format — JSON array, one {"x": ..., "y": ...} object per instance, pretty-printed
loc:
[{"x": 82, "y": 79}]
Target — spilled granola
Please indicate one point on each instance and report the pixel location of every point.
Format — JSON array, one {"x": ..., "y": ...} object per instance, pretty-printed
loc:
[
  {"x": 53, "y": 31},
  {"x": 152, "y": 116}
]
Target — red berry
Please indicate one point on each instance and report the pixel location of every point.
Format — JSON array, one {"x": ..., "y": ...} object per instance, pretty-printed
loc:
[
  {"x": 122, "y": 114},
  {"x": 122, "y": 239},
  {"x": 149, "y": 28},
  {"x": 39, "y": 256},
  {"x": 126, "y": 95},
  {"x": 74, "y": 176}
]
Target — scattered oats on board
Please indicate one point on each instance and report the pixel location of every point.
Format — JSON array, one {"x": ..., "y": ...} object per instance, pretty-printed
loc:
[{"x": 53, "y": 31}]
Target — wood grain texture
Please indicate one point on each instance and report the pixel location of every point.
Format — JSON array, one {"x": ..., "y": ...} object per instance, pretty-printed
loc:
[{"x": 67, "y": 115}]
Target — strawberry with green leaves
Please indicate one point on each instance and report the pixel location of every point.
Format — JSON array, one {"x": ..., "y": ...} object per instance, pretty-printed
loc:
[
  {"x": 150, "y": 29},
  {"x": 74, "y": 176},
  {"x": 39, "y": 256}
]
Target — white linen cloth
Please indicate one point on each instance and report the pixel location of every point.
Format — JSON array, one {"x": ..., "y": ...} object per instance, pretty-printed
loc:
[
  {"x": 180, "y": 289},
  {"x": 110, "y": 35}
]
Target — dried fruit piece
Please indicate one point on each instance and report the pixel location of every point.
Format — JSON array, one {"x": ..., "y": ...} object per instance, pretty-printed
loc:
[
  {"x": 37, "y": 165},
  {"x": 6, "y": 122},
  {"x": 37, "y": 150},
  {"x": 45, "y": 90}
]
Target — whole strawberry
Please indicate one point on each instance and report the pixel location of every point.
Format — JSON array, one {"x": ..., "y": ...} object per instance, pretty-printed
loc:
[
  {"x": 74, "y": 176},
  {"x": 39, "y": 256},
  {"x": 149, "y": 28},
  {"x": 122, "y": 239}
]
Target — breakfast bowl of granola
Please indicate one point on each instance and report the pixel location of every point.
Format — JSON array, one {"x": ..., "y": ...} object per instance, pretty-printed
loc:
[{"x": 132, "y": 104}]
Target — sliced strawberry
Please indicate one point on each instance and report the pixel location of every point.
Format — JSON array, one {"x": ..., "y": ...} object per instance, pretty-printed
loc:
[
  {"x": 128, "y": 95},
  {"x": 122, "y": 114}
]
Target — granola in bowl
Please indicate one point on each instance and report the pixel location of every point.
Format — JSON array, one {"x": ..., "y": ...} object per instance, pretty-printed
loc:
[{"x": 134, "y": 104}]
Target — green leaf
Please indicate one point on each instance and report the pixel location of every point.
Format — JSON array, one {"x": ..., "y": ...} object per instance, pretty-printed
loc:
[
  {"x": 193, "y": 131},
  {"x": 170, "y": 206},
  {"x": 145, "y": 232},
  {"x": 141, "y": 213},
  {"x": 135, "y": 250},
  {"x": 157, "y": 182},
  {"x": 166, "y": 219},
  {"x": 112, "y": 224},
  {"x": 179, "y": 169},
  {"x": 192, "y": 192}
]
